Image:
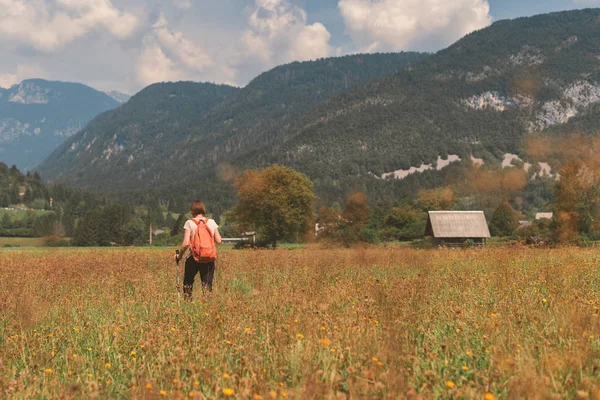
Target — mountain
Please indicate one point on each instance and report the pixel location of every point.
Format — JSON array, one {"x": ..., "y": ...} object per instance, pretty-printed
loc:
[
  {"x": 137, "y": 139},
  {"x": 355, "y": 123},
  {"x": 118, "y": 96},
  {"x": 168, "y": 133},
  {"x": 36, "y": 116},
  {"x": 480, "y": 98}
]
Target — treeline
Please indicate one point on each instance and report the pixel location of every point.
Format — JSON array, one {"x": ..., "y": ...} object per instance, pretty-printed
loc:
[{"x": 33, "y": 209}]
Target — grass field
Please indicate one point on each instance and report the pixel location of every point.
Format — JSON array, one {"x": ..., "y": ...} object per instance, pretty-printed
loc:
[
  {"x": 302, "y": 324},
  {"x": 20, "y": 214},
  {"x": 21, "y": 242}
]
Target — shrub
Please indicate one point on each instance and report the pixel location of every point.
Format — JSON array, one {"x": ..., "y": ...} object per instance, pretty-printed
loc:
[{"x": 56, "y": 241}]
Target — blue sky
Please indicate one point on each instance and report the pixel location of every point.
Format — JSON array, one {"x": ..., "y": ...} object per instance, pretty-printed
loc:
[{"x": 128, "y": 44}]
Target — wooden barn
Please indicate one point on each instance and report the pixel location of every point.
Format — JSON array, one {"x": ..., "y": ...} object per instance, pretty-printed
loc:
[{"x": 457, "y": 228}]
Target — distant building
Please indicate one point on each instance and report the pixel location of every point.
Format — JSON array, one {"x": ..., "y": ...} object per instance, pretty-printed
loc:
[
  {"x": 546, "y": 215},
  {"x": 455, "y": 228}
]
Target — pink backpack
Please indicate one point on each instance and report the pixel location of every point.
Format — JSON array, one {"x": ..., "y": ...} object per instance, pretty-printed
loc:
[{"x": 202, "y": 246}]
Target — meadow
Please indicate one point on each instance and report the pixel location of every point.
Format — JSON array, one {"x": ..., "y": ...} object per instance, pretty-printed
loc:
[
  {"x": 306, "y": 323},
  {"x": 21, "y": 242}
]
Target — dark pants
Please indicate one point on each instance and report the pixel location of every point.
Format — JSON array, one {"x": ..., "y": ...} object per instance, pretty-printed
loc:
[{"x": 207, "y": 273}]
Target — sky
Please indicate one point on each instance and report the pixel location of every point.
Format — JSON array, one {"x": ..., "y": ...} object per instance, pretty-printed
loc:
[{"x": 126, "y": 45}]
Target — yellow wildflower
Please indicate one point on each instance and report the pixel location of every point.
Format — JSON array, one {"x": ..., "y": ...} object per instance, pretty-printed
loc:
[{"x": 228, "y": 392}]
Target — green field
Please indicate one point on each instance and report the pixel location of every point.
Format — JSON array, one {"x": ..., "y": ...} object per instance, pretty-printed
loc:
[
  {"x": 21, "y": 242},
  {"x": 20, "y": 214}
]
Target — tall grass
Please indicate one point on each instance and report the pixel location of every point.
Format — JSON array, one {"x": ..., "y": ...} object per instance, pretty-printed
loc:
[{"x": 308, "y": 323}]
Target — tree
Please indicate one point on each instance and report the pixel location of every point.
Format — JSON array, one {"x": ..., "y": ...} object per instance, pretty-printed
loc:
[
  {"x": 178, "y": 227},
  {"x": 6, "y": 221},
  {"x": 502, "y": 222},
  {"x": 327, "y": 221},
  {"x": 45, "y": 225},
  {"x": 15, "y": 197},
  {"x": 278, "y": 202},
  {"x": 155, "y": 215},
  {"x": 169, "y": 220},
  {"x": 357, "y": 208},
  {"x": 405, "y": 221},
  {"x": 115, "y": 218},
  {"x": 89, "y": 230},
  {"x": 134, "y": 232},
  {"x": 441, "y": 199},
  {"x": 577, "y": 197}
]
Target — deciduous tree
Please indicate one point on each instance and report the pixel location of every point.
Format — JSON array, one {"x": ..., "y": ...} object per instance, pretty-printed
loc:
[{"x": 278, "y": 202}]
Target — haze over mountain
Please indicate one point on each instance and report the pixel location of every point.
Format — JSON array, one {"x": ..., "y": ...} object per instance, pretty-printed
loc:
[
  {"x": 347, "y": 130},
  {"x": 36, "y": 116}
]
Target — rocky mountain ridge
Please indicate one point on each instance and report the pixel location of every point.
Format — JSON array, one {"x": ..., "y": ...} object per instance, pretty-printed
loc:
[{"x": 36, "y": 116}]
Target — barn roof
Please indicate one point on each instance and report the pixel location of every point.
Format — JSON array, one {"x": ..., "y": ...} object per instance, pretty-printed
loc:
[{"x": 457, "y": 224}]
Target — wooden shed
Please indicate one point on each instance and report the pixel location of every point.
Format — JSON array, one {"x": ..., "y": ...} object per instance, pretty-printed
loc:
[{"x": 456, "y": 228}]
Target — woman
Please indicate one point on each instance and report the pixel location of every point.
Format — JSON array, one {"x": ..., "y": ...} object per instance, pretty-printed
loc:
[{"x": 207, "y": 270}]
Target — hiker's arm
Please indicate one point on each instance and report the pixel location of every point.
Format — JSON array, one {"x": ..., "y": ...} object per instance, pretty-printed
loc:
[
  {"x": 185, "y": 244},
  {"x": 218, "y": 238}
]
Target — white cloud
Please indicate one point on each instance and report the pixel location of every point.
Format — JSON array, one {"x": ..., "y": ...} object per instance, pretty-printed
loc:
[
  {"x": 278, "y": 32},
  {"x": 49, "y": 25},
  {"x": 22, "y": 72},
  {"x": 154, "y": 66},
  {"x": 190, "y": 55},
  {"x": 395, "y": 25},
  {"x": 183, "y": 4},
  {"x": 168, "y": 56}
]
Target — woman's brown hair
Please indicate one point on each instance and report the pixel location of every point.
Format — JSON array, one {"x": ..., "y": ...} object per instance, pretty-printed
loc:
[{"x": 197, "y": 208}]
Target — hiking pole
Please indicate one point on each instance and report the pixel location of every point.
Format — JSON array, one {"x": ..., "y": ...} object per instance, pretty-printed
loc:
[{"x": 177, "y": 287}]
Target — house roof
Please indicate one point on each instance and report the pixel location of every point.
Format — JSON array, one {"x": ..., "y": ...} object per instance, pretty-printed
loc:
[
  {"x": 457, "y": 224},
  {"x": 546, "y": 215}
]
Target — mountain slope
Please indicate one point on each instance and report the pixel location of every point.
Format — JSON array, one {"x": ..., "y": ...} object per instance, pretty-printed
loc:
[
  {"x": 141, "y": 136},
  {"x": 194, "y": 141},
  {"x": 481, "y": 96},
  {"x": 36, "y": 116}
]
